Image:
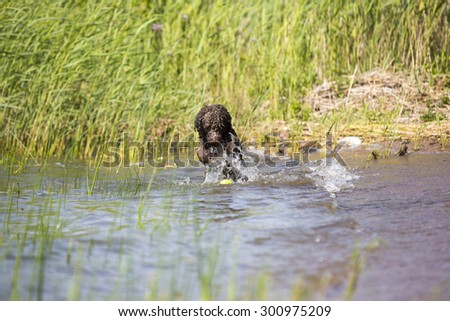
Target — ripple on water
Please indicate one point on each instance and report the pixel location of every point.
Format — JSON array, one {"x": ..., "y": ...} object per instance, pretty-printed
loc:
[{"x": 131, "y": 240}]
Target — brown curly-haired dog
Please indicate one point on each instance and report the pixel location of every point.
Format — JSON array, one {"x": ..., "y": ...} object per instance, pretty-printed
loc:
[{"x": 218, "y": 139}]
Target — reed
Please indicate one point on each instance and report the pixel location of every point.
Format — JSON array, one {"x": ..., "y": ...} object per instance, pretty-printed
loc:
[{"x": 75, "y": 74}]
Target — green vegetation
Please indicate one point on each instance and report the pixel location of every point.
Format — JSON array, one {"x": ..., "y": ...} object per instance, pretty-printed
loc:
[
  {"x": 75, "y": 74},
  {"x": 431, "y": 114}
]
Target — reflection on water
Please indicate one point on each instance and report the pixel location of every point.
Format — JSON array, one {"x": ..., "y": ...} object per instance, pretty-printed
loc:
[{"x": 283, "y": 232}]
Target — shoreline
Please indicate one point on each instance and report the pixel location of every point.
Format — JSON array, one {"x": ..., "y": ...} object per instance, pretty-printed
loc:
[{"x": 378, "y": 107}]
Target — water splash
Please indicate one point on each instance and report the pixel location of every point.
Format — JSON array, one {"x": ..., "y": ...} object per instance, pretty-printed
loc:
[
  {"x": 214, "y": 173},
  {"x": 331, "y": 176},
  {"x": 250, "y": 171},
  {"x": 323, "y": 173}
]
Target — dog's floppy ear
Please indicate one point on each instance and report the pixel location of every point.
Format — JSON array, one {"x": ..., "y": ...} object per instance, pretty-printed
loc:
[
  {"x": 234, "y": 139},
  {"x": 234, "y": 147}
]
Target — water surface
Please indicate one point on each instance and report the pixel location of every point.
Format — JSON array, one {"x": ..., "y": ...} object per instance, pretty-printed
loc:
[{"x": 288, "y": 234}]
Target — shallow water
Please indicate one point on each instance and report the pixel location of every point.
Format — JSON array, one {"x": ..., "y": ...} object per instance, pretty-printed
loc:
[{"x": 286, "y": 234}]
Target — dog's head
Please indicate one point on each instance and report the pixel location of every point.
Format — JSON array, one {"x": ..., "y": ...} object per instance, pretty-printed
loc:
[{"x": 213, "y": 124}]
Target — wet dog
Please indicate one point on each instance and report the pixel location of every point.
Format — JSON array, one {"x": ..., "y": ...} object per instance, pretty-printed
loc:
[{"x": 219, "y": 141}]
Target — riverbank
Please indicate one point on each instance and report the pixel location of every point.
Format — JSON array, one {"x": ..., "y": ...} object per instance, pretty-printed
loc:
[
  {"x": 379, "y": 107},
  {"x": 75, "y": 76}
]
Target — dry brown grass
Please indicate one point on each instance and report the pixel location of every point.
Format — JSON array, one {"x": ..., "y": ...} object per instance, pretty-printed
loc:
[
  {"x": 378, "y": 88},
  {"x": 376, "y": 106}
]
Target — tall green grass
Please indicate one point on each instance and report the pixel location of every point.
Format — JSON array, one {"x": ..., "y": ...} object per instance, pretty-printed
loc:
[{"x": 75, "y": 74}]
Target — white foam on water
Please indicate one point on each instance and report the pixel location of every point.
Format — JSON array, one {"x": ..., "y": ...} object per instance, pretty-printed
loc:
[
  {"x": 326, "y": 174},
  {"x": 186, "y": 181},
  {"x": 331, "y": 176},
  {"x": 213, "y": 174},
  {"x": 251, "y": 172}
]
